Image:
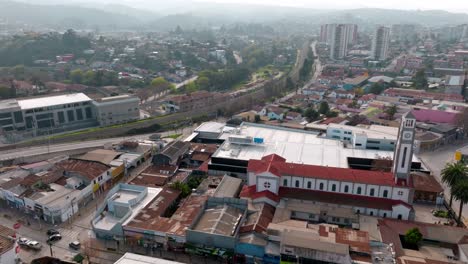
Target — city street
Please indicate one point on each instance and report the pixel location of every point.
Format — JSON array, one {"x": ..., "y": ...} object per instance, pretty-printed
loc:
[{"x": 435, "y": 161}]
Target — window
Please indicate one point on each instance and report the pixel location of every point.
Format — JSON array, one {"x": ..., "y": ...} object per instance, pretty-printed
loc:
[
  {"x": 359, "y": 190},
  {"x": 400, "y": 193},
  {"x": 334, "y": 188},
  {"x": 267, "y": 185},
  {"x": 358, "y": 211},
  {"x": 297, "y": 184},
  {"x": 311, "y": 215},
  {"x": 372, "y": 192},
  {"x": 373, "y": 142},
  {"x": 336, "y": 131},
  {"x": 79, "y": 114},
  {"x": 285, "y": 182},
  {"x": 309, "y": 185},
  {"x": 404, "y": 157},
  {"x": 371, "y": 213},
  {"x": 321, "y": 186},
  {"x": 358, "y": 144},
  {"x": 71, "y": 116},
  {"x": 384, "y": 215},
  {"x": 61, "y": 117},
  {"x": 385, "y": 193},
  {"x": 409, "y": 123},
  {"x": 88, "y": 113},
  {"x": 400, "y": 217},
  {"x": 346, "y": 189}
]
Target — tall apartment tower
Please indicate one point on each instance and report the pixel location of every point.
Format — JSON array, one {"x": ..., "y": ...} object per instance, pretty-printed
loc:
[
  {"x": 338, "y": 37},
  {"x": 403, "y": 154},
  {"x": 380, "y": 43},
  {"x": 338, "y": 42}
]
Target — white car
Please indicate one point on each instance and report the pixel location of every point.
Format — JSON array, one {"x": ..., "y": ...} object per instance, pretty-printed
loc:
[
  {"x": 23, "y": 241},
  {"x": 34, "y": 244}
]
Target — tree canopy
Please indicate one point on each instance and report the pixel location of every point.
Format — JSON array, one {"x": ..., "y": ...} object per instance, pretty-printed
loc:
[{"x": 413, "y": 236}]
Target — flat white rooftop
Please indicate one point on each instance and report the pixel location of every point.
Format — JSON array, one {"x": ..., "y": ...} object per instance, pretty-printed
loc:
[
  {"x": 58, "y": 198},
  {"x": 295, "y": 146},
  {"x": 53, "y": 100},
  {"x": 124, "y": 196},
  {"x": 109, "y": 221}
]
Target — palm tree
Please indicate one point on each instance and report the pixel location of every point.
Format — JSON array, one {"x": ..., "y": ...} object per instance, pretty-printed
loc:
[
  {"x": 452, "y": 174},
  {"x": 460, "y": 192}
]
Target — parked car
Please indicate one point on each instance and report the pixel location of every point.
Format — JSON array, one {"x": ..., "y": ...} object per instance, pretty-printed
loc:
[
  {"x": 75, "y": 245},
  {"x": 54, "y": 238},
  {"x": 23, "y": 241},
  {"x": 52, "y": 232}
]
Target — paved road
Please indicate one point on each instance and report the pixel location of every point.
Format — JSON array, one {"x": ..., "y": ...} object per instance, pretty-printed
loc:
[
  {"x": 35, "y": 151},
  {"x": 317, "y": 72},
  {"x": 435, "y": 161}
]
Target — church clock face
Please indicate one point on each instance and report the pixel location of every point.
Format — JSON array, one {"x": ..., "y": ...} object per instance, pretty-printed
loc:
[{"x": 407, "y": 135}]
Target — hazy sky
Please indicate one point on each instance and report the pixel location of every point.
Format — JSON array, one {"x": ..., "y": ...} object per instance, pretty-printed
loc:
[{"x": 450, "y": 5}]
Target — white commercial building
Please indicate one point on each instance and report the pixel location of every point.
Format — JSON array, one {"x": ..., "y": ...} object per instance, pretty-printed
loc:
[{"x": 117, "y": 109}]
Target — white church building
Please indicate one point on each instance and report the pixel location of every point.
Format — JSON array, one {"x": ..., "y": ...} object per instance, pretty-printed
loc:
[{"x": 375, "y": 193}]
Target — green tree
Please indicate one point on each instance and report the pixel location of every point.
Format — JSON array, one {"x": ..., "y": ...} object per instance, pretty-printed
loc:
[
  {"x": 419, "y": 80},
  {"x": 89, "y": 78},
  {"x": 289, "y": 83},
  {"x": 377, "y": 88},
  {"x": 183, "y": 187},
  {"x": 324, "y": 108},
  {"x": 413, "y": 236},
  {"x": 460, "y": 192},
  {"x": 76, "y": 76},
  {"x": 19, "y": 72},
  {"x": 257, "y": 119},
  {"x": 160, "y": 84},
  {"x": 391, "y": 111},
  {"x": 310, "y": 114},
  {"x": 5, "y": 92},
  {"x": 452, "y": 174}
]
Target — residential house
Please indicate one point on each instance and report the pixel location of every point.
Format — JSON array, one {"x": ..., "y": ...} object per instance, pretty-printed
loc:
[
  {"x": 275, "y": 113},
  {"x": 295, "y": 116}
]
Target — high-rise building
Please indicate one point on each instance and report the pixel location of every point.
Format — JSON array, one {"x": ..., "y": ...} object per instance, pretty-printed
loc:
[
  {"x": 327, "y": 29},
  {"x": 380, "y": 43}
]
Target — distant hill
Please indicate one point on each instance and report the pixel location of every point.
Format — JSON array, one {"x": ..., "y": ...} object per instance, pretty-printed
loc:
[
  {"x": 86, "y": 14},
  {"x": 61, "y": 16}
]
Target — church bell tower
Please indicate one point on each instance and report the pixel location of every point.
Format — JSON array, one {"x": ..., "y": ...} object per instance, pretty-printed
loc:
[{"x": 403, "y": 154}]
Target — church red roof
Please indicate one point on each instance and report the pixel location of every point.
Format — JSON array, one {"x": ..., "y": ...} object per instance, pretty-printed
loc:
[
  {"x": 279, "y": 167},
  {"x": 251, "y": 192},
  {"x": 341, "y": 198}
]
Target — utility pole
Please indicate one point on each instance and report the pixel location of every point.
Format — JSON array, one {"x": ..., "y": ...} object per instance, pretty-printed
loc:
[{"x": 50, "y": 247}]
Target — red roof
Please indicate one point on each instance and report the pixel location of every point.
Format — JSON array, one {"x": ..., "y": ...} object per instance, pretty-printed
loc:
[
  {"x": 251, "y": 192},
  {"x": 278, "y": 166},
  {"x": 340, "y": 198},
  {"x": 420, "y": 94},
  {"x": 434, "y": 116}
]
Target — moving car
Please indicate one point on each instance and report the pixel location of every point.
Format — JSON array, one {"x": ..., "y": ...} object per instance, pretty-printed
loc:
[
  {"x": 29, "y": 243},
  {"x": 55, "y": 237},
  {"x": 34, "y": 244},
  {"x": 75, "y": 245},
  {"x": 52, "y": 232}
]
